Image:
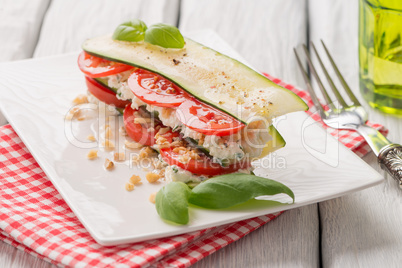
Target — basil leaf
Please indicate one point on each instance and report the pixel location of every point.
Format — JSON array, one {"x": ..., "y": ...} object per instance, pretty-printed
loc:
[
  {"x": 133, "y": 31},
  {"x": 172, "y": 202},
  {"x": 233, "y": 189},
  {"x": 164, "y": 35}
]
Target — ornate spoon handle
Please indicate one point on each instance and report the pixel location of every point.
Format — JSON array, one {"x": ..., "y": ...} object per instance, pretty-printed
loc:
[{"x": 390, "y": 159}]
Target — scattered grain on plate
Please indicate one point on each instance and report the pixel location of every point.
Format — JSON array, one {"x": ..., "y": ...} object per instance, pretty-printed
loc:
[
  {"x": 80, "y": 99},
  {"x": 119, "y": 157},
  {"x": 69, "y": 116},
  {"x": 129, "y": 186},
  {"x": 75, "y": 109},
  {"x": 108, "y": 144},
  {"x": 108, "y": 133},
  {"x": 152, "y": 198},
  {"x": 72, "y": 112},
  {"x": 135, "y": 179},
  {"x": 93, "y": 154},
  {"x": 91, "y": 138},
  {"x": 146, "y": 152},
  {"x": 108, "y": 164},
  {"x": 152, "y": 177},
  {"x": 133, "y": 145},
  {"x": 122, "y": 131}
]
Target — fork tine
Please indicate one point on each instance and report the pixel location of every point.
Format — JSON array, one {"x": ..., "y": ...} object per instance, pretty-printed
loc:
[
  {"x": 320, "y": 85},
  {"x": 331, "y": 83},
  {"x": 343, "y": 82},
  {"x": 316, "y": 102}
]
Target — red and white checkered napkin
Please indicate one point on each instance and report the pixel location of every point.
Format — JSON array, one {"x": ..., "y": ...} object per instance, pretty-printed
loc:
[{"x": 35, "y": 218}]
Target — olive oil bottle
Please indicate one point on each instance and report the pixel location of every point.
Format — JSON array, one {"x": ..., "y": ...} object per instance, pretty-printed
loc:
[{"x": 380, "y": 54}]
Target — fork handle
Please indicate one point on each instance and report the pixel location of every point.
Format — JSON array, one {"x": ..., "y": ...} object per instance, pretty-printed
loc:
[{"x": 390, "y": 159}]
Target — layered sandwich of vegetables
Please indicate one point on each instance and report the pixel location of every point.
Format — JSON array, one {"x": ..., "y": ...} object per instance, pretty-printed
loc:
[{"x": 205, "y": 113}]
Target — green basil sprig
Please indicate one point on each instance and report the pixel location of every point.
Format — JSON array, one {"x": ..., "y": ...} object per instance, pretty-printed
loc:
[
  {"x": 172, "y": 202},
  {"x": 159, "y": 34},
  {"x": 233, "y": 189},
  {"x": 216, "y": 193},
  {"x": 133, "y": 31},
  {"x": 164, "y": 35}
]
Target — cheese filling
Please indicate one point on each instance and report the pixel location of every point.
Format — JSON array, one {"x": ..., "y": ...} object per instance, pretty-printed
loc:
[
  {"x": 175, "y": 173},
  {"x": 248, "y": 142},
  {"x": 119, "y": 82}
]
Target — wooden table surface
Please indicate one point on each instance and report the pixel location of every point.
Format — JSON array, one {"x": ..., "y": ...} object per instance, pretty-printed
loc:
[{"x": 357, "y": 230}]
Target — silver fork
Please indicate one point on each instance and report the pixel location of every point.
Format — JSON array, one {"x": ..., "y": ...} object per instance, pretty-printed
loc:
[{"x": 353, "y": 116}]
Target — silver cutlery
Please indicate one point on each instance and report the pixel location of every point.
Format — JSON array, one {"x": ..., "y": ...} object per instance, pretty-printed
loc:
[{"x": 352, "y": 116}]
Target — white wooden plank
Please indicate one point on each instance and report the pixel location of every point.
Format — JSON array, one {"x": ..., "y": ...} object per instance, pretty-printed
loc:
[
  {"x": 291, "y": 240},
  {"x": 3, "y": 120},
  {"x": 264, "y": 33},
  {"x": 361, "y": 229},
  {"x": 14, "y": 258},
  {"x": 20, "y": 24},
  {"x": 68, "y": 23}
]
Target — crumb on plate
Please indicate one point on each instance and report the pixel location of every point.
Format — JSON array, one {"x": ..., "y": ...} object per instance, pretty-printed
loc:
[
  {"x": 135, "y": 179},
  {"x": 152, "y": 198},
  {"x": 146, "y": 152},
  {"x": 80, "y": 99},
  {"x": 129, "y": 186},
  {"x": 91, "y": 138},
  {"x": 92, "y": 154},
  {"x": 108, "y": 164},
  {"x": 152, "y": 177},
  {"x": 133, "y": 145}
]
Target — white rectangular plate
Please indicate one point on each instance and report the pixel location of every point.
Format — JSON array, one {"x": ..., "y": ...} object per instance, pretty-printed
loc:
[{"x": 35, "y": 96}]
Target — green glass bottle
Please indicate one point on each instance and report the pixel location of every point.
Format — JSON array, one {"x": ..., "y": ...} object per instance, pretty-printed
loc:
[{"x": 380, "y": 54}]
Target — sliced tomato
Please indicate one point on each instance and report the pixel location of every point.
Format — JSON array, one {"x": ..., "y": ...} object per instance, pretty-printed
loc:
[
  {"x": 104, "y": 94},
  {"x": 143, "y": 133},
  {"x": 154, "y": 89},
  {"x": 138, "y": 132},
  {"x": 206, "y": 119},
  {"x": 201, "y": 166},
  {"x": 95, "y": 67}
]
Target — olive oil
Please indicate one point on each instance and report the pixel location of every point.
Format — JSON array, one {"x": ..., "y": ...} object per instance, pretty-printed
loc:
[{"x": 380, "y": 54}]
